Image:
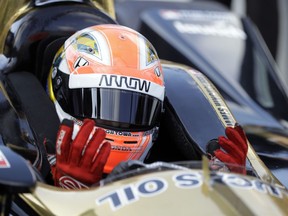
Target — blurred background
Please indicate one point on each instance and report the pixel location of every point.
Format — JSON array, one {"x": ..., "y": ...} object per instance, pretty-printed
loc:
[{"x": 271, "y": 19}]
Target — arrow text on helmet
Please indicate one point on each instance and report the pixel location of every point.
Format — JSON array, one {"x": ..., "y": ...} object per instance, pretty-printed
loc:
[{"x": 125, "y": 82}]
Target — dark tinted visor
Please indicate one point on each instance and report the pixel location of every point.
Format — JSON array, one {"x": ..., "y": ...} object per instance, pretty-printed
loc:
[{"x": 115, "y": 108}]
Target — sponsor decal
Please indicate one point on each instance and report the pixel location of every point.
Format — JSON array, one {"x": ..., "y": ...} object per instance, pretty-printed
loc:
[
  {"x": 214, "y": 29},
  {"x": 213, "y": 23},
  {"x": 215, "y": 99},
  {"x": 4, "y": 163},
  {"x": 132, "y": 192},
  {"x": 80, "y": 62},
  {"x": 197, "y": 15},
  {"x": 126, "y": 82},
  {"x": 121, "y": 148},
  {"x": 155, "y": 186},
  {"x": 119, "y": 133},
  {"x": 130, "y": 134}
]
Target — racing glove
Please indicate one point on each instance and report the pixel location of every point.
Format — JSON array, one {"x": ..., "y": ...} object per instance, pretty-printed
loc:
[
  {"x": 231, "y": 150},
  {"x": 79, "y": 162}
]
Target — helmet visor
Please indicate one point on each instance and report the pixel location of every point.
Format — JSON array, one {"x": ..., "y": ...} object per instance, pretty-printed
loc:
[{"x": 115, "y": 108}]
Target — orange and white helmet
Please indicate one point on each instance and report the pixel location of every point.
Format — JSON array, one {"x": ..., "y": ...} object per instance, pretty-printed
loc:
[{"x": 112, "y": 74}]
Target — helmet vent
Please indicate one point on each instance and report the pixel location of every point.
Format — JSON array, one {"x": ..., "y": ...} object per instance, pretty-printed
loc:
[
  {"x": 130, "y": 142},
  {"x": 109, "y": 139}
]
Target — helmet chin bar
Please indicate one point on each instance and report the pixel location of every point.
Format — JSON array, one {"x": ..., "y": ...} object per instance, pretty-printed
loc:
[{"x": 152, "y": 133}]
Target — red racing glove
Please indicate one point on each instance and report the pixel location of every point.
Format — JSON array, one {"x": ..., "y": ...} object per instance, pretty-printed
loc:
[
  {"x": 79, "y": 162},
  {"x": 233, "y": 149}
]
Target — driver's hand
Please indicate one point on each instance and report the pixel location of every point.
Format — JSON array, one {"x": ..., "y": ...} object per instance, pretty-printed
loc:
[
  {"x": 233, "y": 149},
  {"x": 80, "y": 162}
]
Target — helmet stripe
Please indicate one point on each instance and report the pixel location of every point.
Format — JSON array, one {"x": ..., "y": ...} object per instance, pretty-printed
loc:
[{"x": 116, "y": 82}]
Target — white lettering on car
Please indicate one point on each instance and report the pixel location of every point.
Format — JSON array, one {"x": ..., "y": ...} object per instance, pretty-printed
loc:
[
  {"x": 154, "y": 186},
  {"x": 131, "y": 193}
]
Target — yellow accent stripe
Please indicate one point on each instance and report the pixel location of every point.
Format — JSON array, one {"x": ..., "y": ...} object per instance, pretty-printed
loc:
[{"x": 214, "y": 98}]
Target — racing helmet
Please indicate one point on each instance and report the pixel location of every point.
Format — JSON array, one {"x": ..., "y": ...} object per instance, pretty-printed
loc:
[{"x": 112, "y": 74}]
